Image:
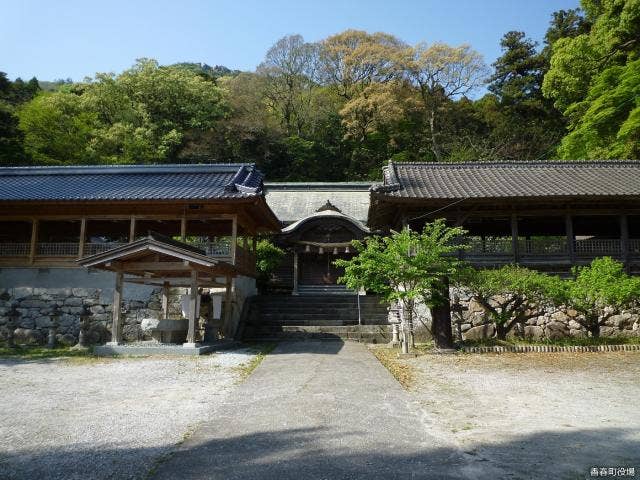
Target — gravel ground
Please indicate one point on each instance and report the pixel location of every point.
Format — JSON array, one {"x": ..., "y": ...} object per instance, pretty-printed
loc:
[
  {"x": 535, "y": 415},
  {"x": 88, "y": 418}
]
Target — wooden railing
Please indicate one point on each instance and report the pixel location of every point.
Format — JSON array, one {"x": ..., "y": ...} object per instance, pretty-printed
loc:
[
  {"x": 14, "y": 249},
  {"x": 58, "y": 249},
  {"x": 490, "y": 246},
  {"x": 542, "y": 246},
  {"x": 93, "y": 248},
  {"x": 595, "y": 247}
]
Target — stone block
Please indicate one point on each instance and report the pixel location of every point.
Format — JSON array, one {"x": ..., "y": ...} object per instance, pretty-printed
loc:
[
  {"x": 533, "y": 332},
  {"x": 67, "y": 339},
  {"x": 27, "y": 322},
  {"x": 481, "y": 332},
  {"x": 43, "y": 322},
  {"x": 573, "y": 325},
  {"x": 577, "y": 333},
  {"x": 83, "y": 292},
  {"x": 21, "y": 292},
  {"x": 27, "y": 336},
  {"x": 33, "y": 304},
  {"x": 97, "y": 309},
  {"x": 560, "y": 317},
  {"x": 73, "y": 302},
  {"x": 132, "y": 333},
  {"x": 606, "y": 331}
]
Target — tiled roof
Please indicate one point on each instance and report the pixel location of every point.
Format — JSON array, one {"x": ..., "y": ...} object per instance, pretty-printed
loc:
[
  {"x": 510, "y": 179},
  {"x": 133, "y": 182},
  {"x": 294, "y": 201}
]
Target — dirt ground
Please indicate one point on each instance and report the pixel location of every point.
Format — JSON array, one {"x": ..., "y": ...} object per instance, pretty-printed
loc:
[
  {"x": 545, "y": 415},
  {"x": 90, "y": 418}
]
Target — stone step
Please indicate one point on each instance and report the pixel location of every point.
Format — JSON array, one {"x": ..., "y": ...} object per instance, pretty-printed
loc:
[{"x": 360, "y": 333}]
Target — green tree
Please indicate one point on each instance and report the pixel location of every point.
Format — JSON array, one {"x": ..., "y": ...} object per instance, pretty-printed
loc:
[
  {"x": 268, "y": 258},
  {"x": 139, "y": 116},
  {"x": 583, "y": 69},
  {"x": 510, "y": 295},
  {"x": 409, "y": 267},
  {"x": 598, "y": 292}
]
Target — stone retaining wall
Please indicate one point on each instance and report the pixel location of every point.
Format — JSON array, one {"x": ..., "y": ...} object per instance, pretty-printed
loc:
[
  {"x": 34, "y": 306},
  {"x": 35, "y": 291},
  {"x": 552, "y": 324}
]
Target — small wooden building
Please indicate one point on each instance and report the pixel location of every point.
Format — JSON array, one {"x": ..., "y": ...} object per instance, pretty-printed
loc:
[
  {"x": 546, "y": 215},
  {"x": 319, "y": 223},
  {"x": 63, "y": 219}
]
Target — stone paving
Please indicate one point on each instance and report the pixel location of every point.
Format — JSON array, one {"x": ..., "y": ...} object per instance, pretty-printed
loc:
[{"x": 318, "y": 410}]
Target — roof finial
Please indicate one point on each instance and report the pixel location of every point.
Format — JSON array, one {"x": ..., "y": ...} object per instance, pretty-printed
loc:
[{"x": 329, "y": 206}]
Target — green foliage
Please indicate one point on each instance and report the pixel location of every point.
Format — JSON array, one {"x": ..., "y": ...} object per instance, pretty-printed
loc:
[
  {"x": 599, "y": 291},
  {"x": 511, "y": 294},
  {"x": 405, "y": 266},
  {"x": 609, "y": 125},
  {"x": 593, "y": 81},
  {"x": 139, "y": 116},
  {"x": 268, "y": 258}
]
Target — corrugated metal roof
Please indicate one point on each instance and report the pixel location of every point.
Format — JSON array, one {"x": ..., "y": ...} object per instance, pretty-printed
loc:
[
  {"x": 294, "y": 201},
  {"x": 510, "y": 179},
  {"x": 134, "y": 182}
]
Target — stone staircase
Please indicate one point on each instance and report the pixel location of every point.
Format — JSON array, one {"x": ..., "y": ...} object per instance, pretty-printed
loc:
[{"x": 313, "y": 315}]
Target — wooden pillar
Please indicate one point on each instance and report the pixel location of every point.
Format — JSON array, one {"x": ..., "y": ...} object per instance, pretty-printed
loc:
[
  {"x": 116, "y": 327},
  {"x": 624, "y": 240},
  {"x": 514, "y": 238},
  {"x": 183, "y": 228},
  {"x": 234, "y": 238},
  {"x": 295, "y": 272},
  {"x": 226, "y": 326},
  {"x": 132, "y": 229},
  {"x": 193, "y": 303},
  {"x": 571, "y": 250},
  {"x": 165, "y": 300},
  {"x": 34, "y": 240},
  {"x": 83, "y": 234}
]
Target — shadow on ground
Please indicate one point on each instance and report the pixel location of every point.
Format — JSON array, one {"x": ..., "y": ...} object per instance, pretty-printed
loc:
[{"x": 302, "y": 453}]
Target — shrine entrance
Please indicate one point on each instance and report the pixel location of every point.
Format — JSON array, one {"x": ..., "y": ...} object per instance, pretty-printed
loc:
[{"x": 314, "y": 243}]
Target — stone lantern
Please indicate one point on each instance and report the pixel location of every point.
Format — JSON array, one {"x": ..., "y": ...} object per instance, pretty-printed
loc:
[
  {"x": 13, "y": 317},
  {"x": 54, "y": 314},
  {"x": 83, "y": 341}
]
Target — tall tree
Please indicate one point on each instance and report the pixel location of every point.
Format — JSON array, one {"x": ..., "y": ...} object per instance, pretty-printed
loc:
[
  {"x": 443, "y": 73},
  {"x": 409, "y": 267},
  {"x": 584, "y": 67}
]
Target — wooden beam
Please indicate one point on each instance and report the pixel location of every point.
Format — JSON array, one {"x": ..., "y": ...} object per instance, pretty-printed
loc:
[
  {"x": 132, "y": 229},
  {"x": 34, "y": 241},
  {"x": 295, "y": 272},
  {"x": 624, "y": 240},
  {"x": 234, "y": 238},
  {"x": 193, "y": 302},
  {"x": 116, "y": 327},
  {"x": 571, "y": 250},
  {"x": 514, "y": 237},
  {"x": 83, "y": 234},
  {"x": 165, "y": 300},
  {"x": 183, "y": 228}
]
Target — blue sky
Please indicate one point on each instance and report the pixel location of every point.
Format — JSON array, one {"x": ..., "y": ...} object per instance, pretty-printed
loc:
[{"x": 74, "y": 39}]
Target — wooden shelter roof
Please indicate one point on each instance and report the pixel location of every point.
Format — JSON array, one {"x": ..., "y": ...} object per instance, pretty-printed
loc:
[{"x": 156, "y": 259}]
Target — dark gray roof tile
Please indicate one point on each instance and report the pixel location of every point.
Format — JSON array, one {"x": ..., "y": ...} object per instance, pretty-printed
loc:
[
  {"x": 134, "y": 182},
  {"x": 510, "y": 179}
]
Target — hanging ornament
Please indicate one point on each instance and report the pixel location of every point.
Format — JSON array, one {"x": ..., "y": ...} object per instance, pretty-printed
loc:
[
  {"x": 307, "y": 249},
  {"x": 335, "y": 250},
  {"x": 321, "y": 250},
  {"x": 346, "y": 249}
]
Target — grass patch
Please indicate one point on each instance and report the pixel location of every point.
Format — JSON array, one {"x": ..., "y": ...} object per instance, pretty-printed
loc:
[
  {"x": 262, "y": 350},
  {"x": 42, "y": 353},
  {"x": 402, "y": 372},
  {"x": 561, "y": 342}
]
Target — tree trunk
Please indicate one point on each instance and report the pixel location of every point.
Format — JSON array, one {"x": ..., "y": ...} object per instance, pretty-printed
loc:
[
  {"x": 441, "y": 319},
  {"x": 435, "y": 148},
  {"x": 501, "y": 331}
]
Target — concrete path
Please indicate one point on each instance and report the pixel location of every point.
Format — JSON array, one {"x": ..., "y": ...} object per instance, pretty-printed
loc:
[{"x": 317, "y": 410}]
